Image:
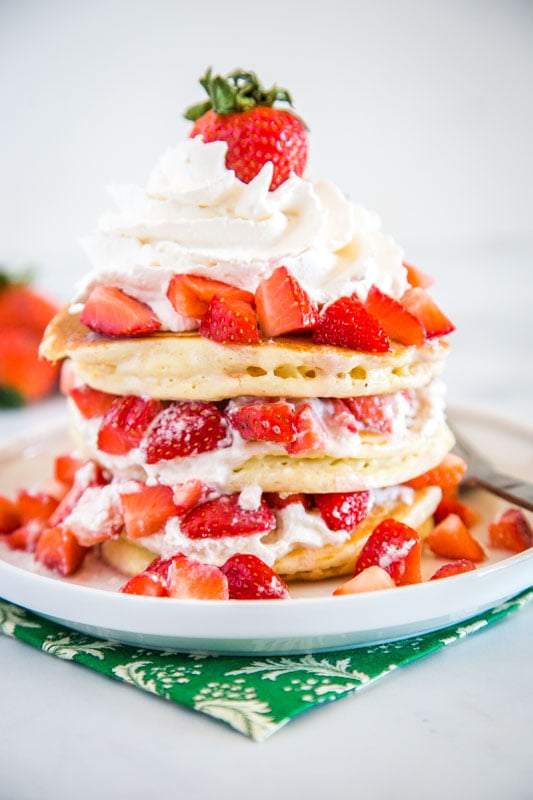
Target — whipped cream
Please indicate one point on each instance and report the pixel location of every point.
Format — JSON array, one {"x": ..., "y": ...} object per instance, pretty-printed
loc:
[{"x": 196, "y": 217}]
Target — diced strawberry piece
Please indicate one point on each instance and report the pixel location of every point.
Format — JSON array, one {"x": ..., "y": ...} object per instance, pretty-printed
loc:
[
  {"x": 415, "y": 277},
  {"x": 187, "y": 495},
  {"x": 447, "y": 474},
  {"x": 27, "y": 536},
  {"x": 372, "y": 412},
  {"x": 249, "y": 578},
  {"x": 225, "y": 517},
  {"x": 145, "y": 583},
  {"x": 111, "y": 311},
  {"x": 341, "y": 416},
  {"x": 89, "y": 474},
  {"x": 396, "y": 548},
  {"x": 452, "y": 539},
  {"x": 265, "y": 421},
  {"x": 186, "y": 428},
  {"x": 279, "y": 501},
  {"x": 283, "y": 306},
  {"x": 451, "y": 505},
  {"x": 190, "y": 295},
  {"x": 230, "y": 321},
  {"x": 97, "y": 516},
  {"x": 35, "y": 505},
  {"x": 24, "y": 376},
  {"x": 59, "y": 550},
  {"x": 418, "y": 302},
  {"x": 65, "y": 468},
  {"x": 126, "y": 422},
  {"x": 311, "y": 435},
  {"x": 192, "y": 579},
  {"x": 456, "y": 568},
  {"x": 20, "y": 304},
  {"x": 9, "y": 515},
  {"x": 342, "y": 511},
  {"x": 147, "y": 509},
  {"x": 511, "y": 531},
  {"x": 371, "y": 579},
  {"x": 398, "y": 323},
  {"x": 91, "y": 402},
  {"x": 346, "y": 323}
]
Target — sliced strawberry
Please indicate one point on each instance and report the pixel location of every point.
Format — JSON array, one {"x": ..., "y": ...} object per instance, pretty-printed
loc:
[
  {"x": 342, "y": 511},
  {"x": 310, "y": 436},
  {"x": 91, "y": 402},
  {"x": 371, "y": 579},
  {"x": 346, "y": 323},
  {"x": 20, "y": 304},
  {"x": 456, "y": 568},
  {"x": 396, "y": 548},
  {"x": 147, "y": 509},
  {"x": 447, "y": 474},
  {"x": 283, "y": 306},
  {"x": 278, "y": 501},
  {"x": 188, "y": 494},
  {"x": 249, "y": 578},
  {"x": 398, "y": 323},
  {"x": 59, "y": 550},
  {"x": 225, "y": 517},
  {"x": 27, "y": 536},
  {"x": 192, "y": 579},
  {"x": 418, "y": 302},
  {"x": 451, "y": 505},
  {"x": 230, "y": 321},
  {"x": 24, "y": 376},
  {"x": 452, "y": 539},
  {"x": 372, "y": 412},
  {"x": 111, "y": 311},
  {"x": 265, "y": 421},
  {"x": 186, "y": 428},
  {"x": 9, "y": 515},
  {"x": 511, "y": 531},
  {"x": 89, "y": 474},
  {"x": 65, "y": 468},
  {"x": 415, "y": 277},
  {"x": 190, "y": 295},
  {"x": 145, "y": 583},
  {"x": 35, "y": 505},
  {"x": 126, "y": 422}
]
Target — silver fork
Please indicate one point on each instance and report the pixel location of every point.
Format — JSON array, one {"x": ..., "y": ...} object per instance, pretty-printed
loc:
[{"x": 480, "y": 472}]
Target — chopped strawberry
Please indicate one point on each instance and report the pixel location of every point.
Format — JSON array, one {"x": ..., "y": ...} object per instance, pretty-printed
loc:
[
  {"x": 372, "y": 412},
  {"x": 346, "y": 323},
  {"x": 188, "y": 494},
  {"x": 186, "y": 428},
  {"x": 65, "y": 468},
  {"x": 24, "y": 376},
  {"x": 451, "y": 505},
  {"x": 415, "y": 277},
  {"x": 146, "y": 509},
  {"x": 265, "y": 421},
  {"x": 192, "y": 579},
  {"x": 311, "y": 435},
  {"x": 59, "y": 550},
  {"x": 249, "y": 578},
  {"x": 20, "y": 304},
  {"x": 511, "y": 531},
  {"x": 398, "y": 323},
  {"x": 190, "y": 295},
  {"x": 111, "y": 311},
  {"x": 89, "y": 474},
  {"x": 35, "y": 505},
  {"x": 27, "y": 536},
  {"x": 225, "y": 517},
  {"x": 447, "y": 474},
  {"x": 278, "y": 501},
  {"x": 340, "y": 415},
  {"x": 452, "y": 539},
  {"x": 96, "y": 516},
  {"x": 9, "y": 515},
  {"x": 230, "y": 321},
  {"x": 396, "y": 548},
  {"x": 283, "y": 306},
  {"x": 91, "y": 402},
  {"x": 145, "y": 583},
  {"x": 126, "y": 422},
  {"x": 418, "y": 302},
  {"x": 456, "y": 568},
  {"x": 371, "y": 579},
  {"x": 342, "y": 511}
]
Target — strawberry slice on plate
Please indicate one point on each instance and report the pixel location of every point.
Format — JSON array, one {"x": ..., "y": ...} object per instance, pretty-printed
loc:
[
  {"x": 371, "y": 579},
  {"x": 452, "y": 539},
  {"x": 511, "y": 531},
  {"x": 146, "y": 509},
  {"x": 190, "y": 295},
  {"x": 396, "y": 321},
  {"x": 126, "y": 422},
  {"x": 59, "y": 550},
  {"x": 224, "y": 516},
  {"x": 418, "y": 302},
  {"x": 249, "y": 578},
  {"x": 396, "y": 548},
  {"x": 347, "y": 323},
  {"x": 186, "y": 428},
  {"x": 9, "y": 515},
  {"x": 342, "y": 511},
  {"x": 283, "y": 306},
  {"x": 191, "y": 579},
  {"x": 454, "y": 568},
  {"x": 265, "y": 421},
  {"x": 229, "y": 320},
  {"x": 146, "y": 583},
  {"x": 111, "y": 311}
]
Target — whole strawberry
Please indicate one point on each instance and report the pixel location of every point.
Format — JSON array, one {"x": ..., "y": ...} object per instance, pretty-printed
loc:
[{"x": 241, "y": 113}]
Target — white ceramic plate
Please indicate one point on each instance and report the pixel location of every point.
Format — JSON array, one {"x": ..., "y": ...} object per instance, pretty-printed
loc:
[{"x": 312, "y": 620}]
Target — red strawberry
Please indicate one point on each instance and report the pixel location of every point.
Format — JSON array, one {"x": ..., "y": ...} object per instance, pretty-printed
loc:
[
  {"x": 190, "y": 295},
  {"x": 451, "y": 505},
  {"x": 447, "y": 474},
  {"x": 396, "y": 321},
  {"x": 418, "y": 302},
  {"x": 59, "y": 550},
  {"x": 65, "y": 468},
  {"x": 452, "y": 539},
  {"x": 310, "y": 433},
  {"x": 240, "y": 112},
  {"x": 126, "y": 422},
  {"x": 283, "y": 306},
  {"x": 415, "y": 277},
  {"x": 278, "y": 501},
  {"x": 20, "y": 304},
  {"x": 456, "y": 568},
  {"x": 187, "y": 495},
  {"x": 24, "y": 376},
  {"x": 265, "y": 422},
  {"x": 26, "y": 537},
  {"x": 396, "y": 548},
  {"x": 346, "y": 323},
  {"x": 372, "y": 412},
  {"x": 186, "y": 428},
  {"x": 35, "y": 505},
  {"x": 371, "y": 579},
  {"x": 249, "y": 578},
  {"x": 192, "y": 579},
  {"x": 146, "y": 583},
  {"x": 225, "y": 517},
  {"x": 9, "y": 515},
  {"x": 146, "y": 509},
  {"x": 88, "y": 475},
  {"x": 511, "y": 531},
  {"x": 91, "y": 402},
  {"x": 111, "y": 311},
  {"x": 342, "y": 511},
  {"x": 230, "y": 321}
]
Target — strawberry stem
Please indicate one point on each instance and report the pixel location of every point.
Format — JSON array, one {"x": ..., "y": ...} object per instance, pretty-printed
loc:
[{"x": 234, "y": 93}]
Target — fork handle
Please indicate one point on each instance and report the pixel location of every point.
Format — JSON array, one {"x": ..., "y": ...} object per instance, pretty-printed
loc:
[{"x": 510, "y": 489}]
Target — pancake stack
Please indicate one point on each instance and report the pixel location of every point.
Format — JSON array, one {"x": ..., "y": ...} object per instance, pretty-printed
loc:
[{"x": 253, "y": 366}]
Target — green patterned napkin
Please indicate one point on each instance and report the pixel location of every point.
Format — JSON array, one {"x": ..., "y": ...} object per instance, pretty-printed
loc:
[{"x": 255, "y": 695}]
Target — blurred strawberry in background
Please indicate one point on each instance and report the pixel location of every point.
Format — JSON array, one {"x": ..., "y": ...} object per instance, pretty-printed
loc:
[{"x": 24, "y": 314}]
